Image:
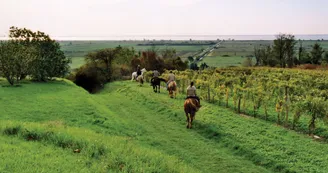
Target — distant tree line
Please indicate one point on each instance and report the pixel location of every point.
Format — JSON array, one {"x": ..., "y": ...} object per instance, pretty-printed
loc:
[
  {"x": 32, "y": 54},
  {"x": 283, "y": 53}
]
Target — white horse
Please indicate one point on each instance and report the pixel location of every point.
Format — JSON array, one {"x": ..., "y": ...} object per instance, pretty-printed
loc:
[{"x": 134, "y": 74}]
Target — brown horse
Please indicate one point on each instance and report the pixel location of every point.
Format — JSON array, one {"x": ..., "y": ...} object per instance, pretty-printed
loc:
[
  {"x": 190, "y": 107},
  {"x": 172, "y": 87}
]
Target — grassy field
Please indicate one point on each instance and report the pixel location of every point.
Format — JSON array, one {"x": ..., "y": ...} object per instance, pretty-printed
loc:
[
  {"x": 81, "y": 48},
  {"x": 219, "y": 61},
  {"x": 77, "y": 62},
  {"x": 131, "y": 129}
]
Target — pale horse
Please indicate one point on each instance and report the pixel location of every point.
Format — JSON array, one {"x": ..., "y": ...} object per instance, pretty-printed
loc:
[{"x": 134, "y": 74}]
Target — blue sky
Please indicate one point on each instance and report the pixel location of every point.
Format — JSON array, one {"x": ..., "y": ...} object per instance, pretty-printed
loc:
[{"x": 165, "y": 17}]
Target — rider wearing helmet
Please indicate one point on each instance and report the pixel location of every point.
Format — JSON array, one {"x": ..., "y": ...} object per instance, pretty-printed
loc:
[
  {"x": 191, "y": 93},
  {"x": 170, "y": 78}
]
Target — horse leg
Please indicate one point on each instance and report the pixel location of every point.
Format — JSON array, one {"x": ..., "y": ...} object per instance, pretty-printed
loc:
[
  {"x": 159, "y": 88},
  {"x": 192, "y": 117},
  {"x": 187, "y": 120}
]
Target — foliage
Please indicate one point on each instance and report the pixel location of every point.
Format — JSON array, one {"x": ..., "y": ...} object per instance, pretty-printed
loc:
[
  {"x": 316, "y": 53},
  {"x": 49, "y": 60},
  {"x": 102, "y": 60},
  {"x": 265, "y": 90},
  {"x": 90, "y": 78},
  {"x": 14, "y": 60}
]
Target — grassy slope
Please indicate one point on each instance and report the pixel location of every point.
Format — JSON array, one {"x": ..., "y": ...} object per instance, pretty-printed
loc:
[{"x": 125, "y": 119}]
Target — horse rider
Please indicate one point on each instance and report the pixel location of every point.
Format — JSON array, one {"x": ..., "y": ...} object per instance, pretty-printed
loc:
[
  {"x": 138, "y": 71},
  {"x": 191, "y": 93},
  {"x": 171, "y": 78},
  {"x": 155, "y": 75}
]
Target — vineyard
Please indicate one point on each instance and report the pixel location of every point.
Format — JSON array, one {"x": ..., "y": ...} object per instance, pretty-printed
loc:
[{"x": 296, "y": 99}]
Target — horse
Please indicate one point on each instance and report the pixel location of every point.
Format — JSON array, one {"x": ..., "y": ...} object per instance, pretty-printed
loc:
[
  {"x": 140, "y": 79},
  {"x": 190, "y": 107},
  {"x": 172, "y": 87},
  {"x": 157, "y": 82},
  {"x": 134, "y": 74}
]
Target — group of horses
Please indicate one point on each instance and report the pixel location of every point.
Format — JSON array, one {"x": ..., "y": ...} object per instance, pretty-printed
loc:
[{"x": 190, "y": 104}]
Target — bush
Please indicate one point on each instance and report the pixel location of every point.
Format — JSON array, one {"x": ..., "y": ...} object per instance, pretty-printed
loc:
[
  {"x": 89, "y": 78},
  {"x": 308, "y": 66},
  {"x": 247, "y": 62}
]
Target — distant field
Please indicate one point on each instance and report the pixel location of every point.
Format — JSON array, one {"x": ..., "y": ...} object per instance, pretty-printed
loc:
[
  {"x": 219, "y": 61},
  {"x": 77, "y": 62},
  {"x": 81, "y": 48},
  {"x": 236, "y": 50}
]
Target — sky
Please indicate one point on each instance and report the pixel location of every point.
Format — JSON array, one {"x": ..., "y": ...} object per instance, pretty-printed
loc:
[{"x": 165, "y": 17}]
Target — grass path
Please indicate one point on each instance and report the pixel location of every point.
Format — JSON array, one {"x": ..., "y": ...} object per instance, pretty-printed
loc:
[
  {"x": 160, "y": 129},
  {"x": 220, "y": 139}
]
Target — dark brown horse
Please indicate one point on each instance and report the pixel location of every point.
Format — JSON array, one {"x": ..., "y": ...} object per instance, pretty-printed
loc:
[
  {"x": 156, "y": 83},
  {"x": 191, "y": 106},
  {"x": 172, "y": 87}
]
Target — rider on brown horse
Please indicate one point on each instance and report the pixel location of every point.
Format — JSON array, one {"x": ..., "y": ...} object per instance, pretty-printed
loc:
[
  {"x": 191, "y": 93},
  {"x": 170, "y": 78}
]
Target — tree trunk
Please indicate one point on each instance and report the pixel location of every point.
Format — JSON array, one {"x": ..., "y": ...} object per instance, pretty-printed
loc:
[
  {"x": 239, "y": 105},
  {"x": 312, "y": 124}
]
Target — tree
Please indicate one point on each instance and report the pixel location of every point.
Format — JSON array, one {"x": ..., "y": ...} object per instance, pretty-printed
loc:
[
  {"x": 194, "y": 66},
  {"x": 169, "y": 53},
  {"x": 49, "y": 60},
  {"x": 316, "y": 53},
  {"x": 190, "y": 59},
  {"x": 258, "y": 55},
  {"x": 14, "y": 60},
  {"x": 203, "y": 66},
  {"x": 302, "y": 54},
  {"x": 279, "y": 49},
  {"x": 102, "y": 60},
  {"x": 289, "y": 48}
]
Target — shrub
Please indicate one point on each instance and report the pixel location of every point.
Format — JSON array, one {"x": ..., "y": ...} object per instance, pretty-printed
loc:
[{"x": 89, "y": 78}]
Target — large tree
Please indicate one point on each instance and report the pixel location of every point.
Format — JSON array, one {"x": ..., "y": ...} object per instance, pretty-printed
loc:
[
  {"x": 279, "y": 49},
  {"x": 49, "y": 60}
]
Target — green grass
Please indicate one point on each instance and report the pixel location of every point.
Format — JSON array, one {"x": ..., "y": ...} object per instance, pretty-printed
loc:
[
  {"x": 131, "y": 129},
  {"x": 77, "y": 62},
  {"x": 218, "y": 61}
]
